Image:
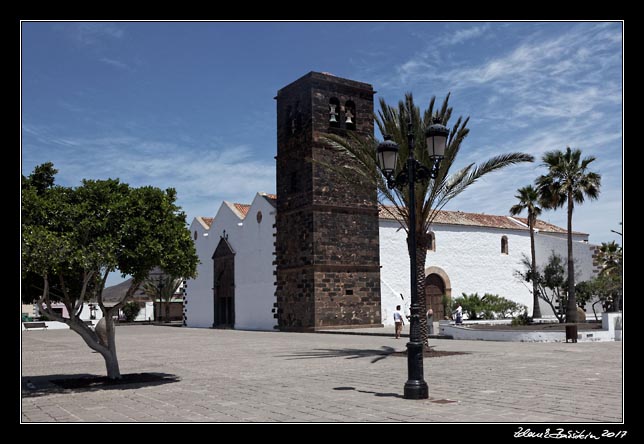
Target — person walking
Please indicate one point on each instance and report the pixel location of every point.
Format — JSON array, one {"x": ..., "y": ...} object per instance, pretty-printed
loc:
[
  {"x": 459, "y": 315},
  {"x": 430, "y": 321},
  {"x": 399, "y": 321}
]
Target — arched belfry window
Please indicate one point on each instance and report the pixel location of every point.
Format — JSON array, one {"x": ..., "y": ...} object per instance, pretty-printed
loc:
[
  {"x": 334, "y": 112},
  {"x": 350, "y": 115},
  {"x": 431, "y": 244},
  {"x": 504, "y": 245}
]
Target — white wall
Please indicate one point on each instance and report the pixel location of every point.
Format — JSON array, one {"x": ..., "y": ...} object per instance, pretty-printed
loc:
[
  {"x": 254, "y": 279},
  {"x": 146, "y": 313},
  {"x": 85, "y": 314},
  {"x": 582, "y": 253},
  {"x": 199, "y": 291},
  {"x": 470, "y": 256}
]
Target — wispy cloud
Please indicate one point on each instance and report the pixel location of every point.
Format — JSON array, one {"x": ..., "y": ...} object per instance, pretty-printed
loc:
[
  {"x": 203, "y": 176},
  {"x": 115, "y": 63},
  {"x": 546, "y": 91},
  {"x": 92, "y": 33},
  {"x": 463, "y": 35}
]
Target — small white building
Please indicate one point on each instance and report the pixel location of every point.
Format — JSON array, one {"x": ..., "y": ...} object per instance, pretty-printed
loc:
[
  {"x": 470, "y": 253},
  {"x": 242, "y": 292}
]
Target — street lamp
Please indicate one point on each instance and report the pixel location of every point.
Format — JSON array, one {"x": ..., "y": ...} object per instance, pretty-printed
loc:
[{"x": 412, "y": 172}]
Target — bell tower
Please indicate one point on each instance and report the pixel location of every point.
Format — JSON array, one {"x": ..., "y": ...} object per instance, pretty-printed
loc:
[{"x": 327, "y": 248}]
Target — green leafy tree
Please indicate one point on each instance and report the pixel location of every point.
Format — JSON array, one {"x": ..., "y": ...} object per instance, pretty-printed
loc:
[
  {"x": 131, "y": 310},
  {"x": 162, "y": 286},
  {"x": 359, "y": 166},
  {"x": 610, "y": 259},
  {"x": 529, "y": 200},
  {"x": 551, "y": 282},
  {"x": 73, "y": 238},
  {"x": 568, "y": 182}
]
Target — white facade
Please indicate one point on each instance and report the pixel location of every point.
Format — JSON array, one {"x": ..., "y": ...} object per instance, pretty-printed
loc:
[
  {"x": 471, "y": 259},
  {"x": 251, "y": 237},
  {"x": 468, "y": 258}
]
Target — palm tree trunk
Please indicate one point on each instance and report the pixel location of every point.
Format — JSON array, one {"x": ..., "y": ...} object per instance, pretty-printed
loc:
[
  {"x": 536, "y": 311},
  {"x": 571, "y": 308},
  {"x": 421, "y": 258}
]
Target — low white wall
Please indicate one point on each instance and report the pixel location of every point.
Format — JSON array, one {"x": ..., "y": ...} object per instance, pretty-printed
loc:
[
  {"x": 611, "y": 331},
  {"x": 146, "y": 313},
  {"x": 51, "y": 325}
]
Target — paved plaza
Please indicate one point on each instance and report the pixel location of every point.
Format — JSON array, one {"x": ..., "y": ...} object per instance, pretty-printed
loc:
[{"x": 246, "y": 376}]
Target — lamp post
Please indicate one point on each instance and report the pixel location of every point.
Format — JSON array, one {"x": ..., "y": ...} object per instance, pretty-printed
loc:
[{"x": 411, "y": 173}]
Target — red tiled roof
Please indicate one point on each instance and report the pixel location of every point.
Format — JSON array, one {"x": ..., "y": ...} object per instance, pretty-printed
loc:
[
  {"x": 271, "y": 196},
  {"x": 546, "y": 226},
  {"x": 480, "y": 220},
  {"x": 242, "y": 208},
  {"x": 208, "y": 220}
]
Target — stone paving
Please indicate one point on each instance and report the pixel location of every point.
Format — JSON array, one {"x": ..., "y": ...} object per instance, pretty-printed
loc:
[{"x": 245, "y": 376}]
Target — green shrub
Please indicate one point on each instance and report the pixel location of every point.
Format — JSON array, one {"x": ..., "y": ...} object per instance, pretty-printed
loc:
[
  {"x": 522, "y": 319},
  {"x": 131, "y": 311},
  {"x": 490, "y": 306}
]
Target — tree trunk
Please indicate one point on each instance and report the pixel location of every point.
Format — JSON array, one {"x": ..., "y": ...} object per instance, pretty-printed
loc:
[
  {"x": 102, "y": 341},
  {"x": 422, "y": 242},
  {"x": 106, "y": 339},
  {"x": 571, "y": 307},
  {"x": 536, "y": 311},
  {"x": 111, "y": 361}
]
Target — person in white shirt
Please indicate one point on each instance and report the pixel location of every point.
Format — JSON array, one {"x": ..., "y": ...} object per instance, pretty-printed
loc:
[
  {"x": 430, "y": 321},
  {"x": 459, "y": 314},
  {"x": 399, "y": 320}
]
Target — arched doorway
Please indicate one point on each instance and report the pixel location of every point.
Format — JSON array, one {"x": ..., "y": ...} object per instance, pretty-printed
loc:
[
  {"x": 434, "y": 291},
  {"x": 224, "y": 285}
]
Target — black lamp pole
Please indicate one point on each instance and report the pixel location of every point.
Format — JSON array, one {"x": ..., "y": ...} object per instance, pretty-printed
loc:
[
  {"x": 415, "y": 387},
  {"x": 413, "y": 172}
]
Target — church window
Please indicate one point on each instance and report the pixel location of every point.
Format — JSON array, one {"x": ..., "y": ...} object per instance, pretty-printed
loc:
[
  {"x": 431, "y": 244},
  {"x": 195, "y": 235},
  {"x": 504, "y": 245}
]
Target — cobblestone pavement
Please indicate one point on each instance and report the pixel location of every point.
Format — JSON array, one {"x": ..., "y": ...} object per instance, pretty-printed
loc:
[{"x": 245, "y": 376}]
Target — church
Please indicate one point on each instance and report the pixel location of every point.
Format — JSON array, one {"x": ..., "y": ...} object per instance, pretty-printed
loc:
[{"x": 321, "y": 254}]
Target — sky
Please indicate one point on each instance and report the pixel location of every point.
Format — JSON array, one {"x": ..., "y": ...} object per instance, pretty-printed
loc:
[{"x": 190, "y": 105}]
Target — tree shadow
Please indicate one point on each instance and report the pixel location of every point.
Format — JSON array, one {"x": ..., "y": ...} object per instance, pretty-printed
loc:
[
  {"x": 34, "y": 386},
  {"x": 347, "y": 353}
]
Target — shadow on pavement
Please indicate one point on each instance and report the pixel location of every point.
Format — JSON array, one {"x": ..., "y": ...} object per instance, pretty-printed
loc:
[
  {"x": 384, "y": 395},
  {"x": 347, "y": 353},
  {"x": 33, "y": 386}
]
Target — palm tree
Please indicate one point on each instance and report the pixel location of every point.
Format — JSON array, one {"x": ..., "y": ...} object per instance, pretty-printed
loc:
[
  {"x": 610, "y": 259},
  {"x": 361, "y": 168},
  {"x": 162, "y": 287},
  {"x": 528, "y": 200},
  {"x": 568, "y": 182}
]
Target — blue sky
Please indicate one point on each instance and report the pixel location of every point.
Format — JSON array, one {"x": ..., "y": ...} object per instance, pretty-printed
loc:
[{"x": 190, "y": 105}]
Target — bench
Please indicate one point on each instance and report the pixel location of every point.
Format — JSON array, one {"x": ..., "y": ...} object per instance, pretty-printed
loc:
[{"x": 30, "y": 325}]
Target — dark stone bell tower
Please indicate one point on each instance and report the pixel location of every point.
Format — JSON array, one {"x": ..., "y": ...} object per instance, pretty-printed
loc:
[{"x": 327, "y": 250}]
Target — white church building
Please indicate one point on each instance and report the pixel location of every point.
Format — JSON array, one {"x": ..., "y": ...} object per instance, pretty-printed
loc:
[
  {"x": 325, "y": 255},
  {"x": 470, "y": 253}
]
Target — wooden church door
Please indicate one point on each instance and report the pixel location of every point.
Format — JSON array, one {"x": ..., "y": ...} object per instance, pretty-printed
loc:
[{"x": 224, "y": 285}]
